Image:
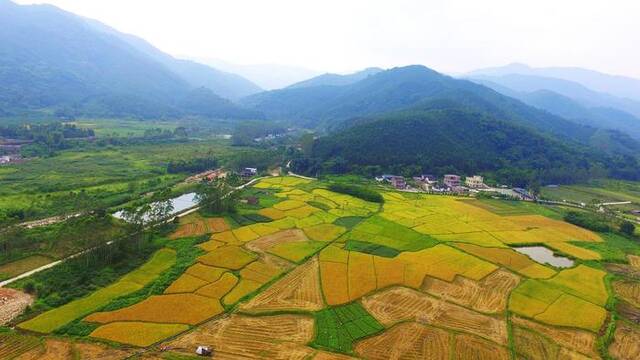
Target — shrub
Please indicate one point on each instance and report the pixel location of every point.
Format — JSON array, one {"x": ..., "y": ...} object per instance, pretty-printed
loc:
[
  {"x": 627, "y": 228},
  {"x": 587, "y": 221},
  {"x": 357, "y": 191}
]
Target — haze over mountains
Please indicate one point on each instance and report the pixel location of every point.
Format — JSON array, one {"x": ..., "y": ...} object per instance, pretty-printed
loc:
[{"x": 52, "y": 59}]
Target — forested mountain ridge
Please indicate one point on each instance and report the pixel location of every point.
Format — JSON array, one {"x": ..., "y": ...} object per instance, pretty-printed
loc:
[
  {"x": 54, "y": 61},
  {"x": 450, "y": 139},
  {"x": 403, "y": 88},
  {"x": 336, "y": 79}
]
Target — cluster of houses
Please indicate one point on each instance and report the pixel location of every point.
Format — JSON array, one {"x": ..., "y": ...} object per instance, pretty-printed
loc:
[
  {"x": 11, "y": 159},
  {"x": 452, "y": 183}
]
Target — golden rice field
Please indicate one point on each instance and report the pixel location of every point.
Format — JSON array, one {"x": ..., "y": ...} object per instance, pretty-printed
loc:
[{"x": 417, "y": 277}]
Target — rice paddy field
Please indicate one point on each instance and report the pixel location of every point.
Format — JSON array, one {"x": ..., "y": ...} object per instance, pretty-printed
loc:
[{"x": 331, "y": 276}]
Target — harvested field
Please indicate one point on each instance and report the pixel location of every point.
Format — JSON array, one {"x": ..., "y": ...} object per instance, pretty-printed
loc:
[
  {"x": 323, "y": 355},
  {"x": 400, "y": 304},
  {"x": 624, "y": 270},
  {"x": 473, "y": 347},
  {"x": 634, "y": 261},
  {"x": 628, "y": 311},
  {"x": 195, "y": 225},
  {"x": 88, "y": 351},
  {"x": 137, "y": 333},
  {"x": 13, "y": 345},
  {"x": 216, "y": 225},
  {"x": 407, "y": 341},
  {"x": 249, "y": 337},
  {"x": 576, "y": 340},
  {"x": 298, "y": 290},
  {"x": 629, "y": 291},
  {"x": 164, "y": 309},
  {"x": 52, "y": 350},
  {"x": 626, "y": 342},
  {"x": 265, "y": 243},
  {"x": 219, "y": 288},
  {"x": 487, "y": 295},
  {"x": 534, "y": 346},
  {"x": 510, "y": 259},
  {"x": 228, "y": 257},
  {"x": 135, "y": 280},
  {"x": 21, "y": 266},
  {"x": 12, "y": 304}
]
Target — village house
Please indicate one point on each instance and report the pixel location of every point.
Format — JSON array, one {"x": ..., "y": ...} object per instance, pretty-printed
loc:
[
  {"x": 474, "y": 182},
  {"x": 248, "y": 172},
  {"x": 398, "y": 182},
  {"x": 451, "y": 180}
]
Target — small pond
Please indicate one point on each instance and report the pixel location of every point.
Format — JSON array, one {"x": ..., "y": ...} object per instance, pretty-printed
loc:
[
  {"x": 180, "y": 203},
  {"x": 545, "y": 256}
]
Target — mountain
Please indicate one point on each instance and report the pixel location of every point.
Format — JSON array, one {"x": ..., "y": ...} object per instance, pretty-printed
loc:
[
  {"x": 267, "y": 76},
  {"x": 54, "y": 61},
  {"x": 570, "y": 89},
  {"x": 568, "y": 108},
  {"x": 225, "y": 84},
  {"x": 453, "y": 140},
  {"x": 401, "y": 88},
  {"x": 336, "y": 79},
  {"x": 620, "y": 86}
]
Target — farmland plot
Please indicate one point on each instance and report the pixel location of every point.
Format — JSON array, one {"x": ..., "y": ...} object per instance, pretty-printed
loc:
[
  {"x": 407, "y": 341},
  {"x": 626, "y": 342}
]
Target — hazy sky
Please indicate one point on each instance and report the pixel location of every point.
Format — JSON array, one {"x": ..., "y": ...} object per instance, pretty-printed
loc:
[{"x": 343, "y": 35}]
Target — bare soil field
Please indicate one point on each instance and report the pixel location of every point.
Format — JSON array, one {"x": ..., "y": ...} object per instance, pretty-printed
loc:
[
  {"x": 472, "y": 347},
  {"x": 12, "y": 303},
  {"x": 624, "y": 270},
  {"x": 298, "y": 290},
  {"x": 626, "y": 343},
  {"x": 407, "y": 341},
  {"x": 399, "y": 304},
  {"x": 249, "y": 337},
  {"x": 488, "y": 295},
  {"x": 577, "y": 340},
  {"x": 629, "y": 311}
]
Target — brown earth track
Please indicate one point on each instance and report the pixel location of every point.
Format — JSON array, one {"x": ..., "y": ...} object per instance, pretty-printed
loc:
[
  {"x": 472, "y": 347},
  {"x": 407, "y": 341},
  {"x": 626, "y": 342},
  {"x": 12, "y": 304},
  {"x": 249, "y": 337},
  {"x": 534, "y": 346},
  {"x": 488, "y": 295},
  {"x": 298, "y": 290},
  {"x": 398, "y": 304},
  {"x": 576, "y": 340},
  {"x": 629, "y": 291},
  {"x": 629, "y": 311}
]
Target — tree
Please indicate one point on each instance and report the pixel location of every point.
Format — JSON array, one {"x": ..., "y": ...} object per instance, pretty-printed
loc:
[
  {"x": 627, "y": 228},
  {"x": 217, "y": 196},
  {"x": 161, "y": 207}
]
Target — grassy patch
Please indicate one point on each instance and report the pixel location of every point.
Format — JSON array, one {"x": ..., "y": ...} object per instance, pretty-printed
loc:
[{"x": 373, "y": 249}]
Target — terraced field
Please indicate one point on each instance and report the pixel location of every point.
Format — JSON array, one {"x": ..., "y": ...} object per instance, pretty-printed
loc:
[{"x": 332, "y": 276}]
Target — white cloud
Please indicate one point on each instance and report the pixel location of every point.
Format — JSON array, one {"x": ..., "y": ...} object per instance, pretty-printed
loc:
[{"x": 339, "y": 35}]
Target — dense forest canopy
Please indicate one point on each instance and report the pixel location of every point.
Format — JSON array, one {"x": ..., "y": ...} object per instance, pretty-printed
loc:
[{"x": 458, "y": 141}]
